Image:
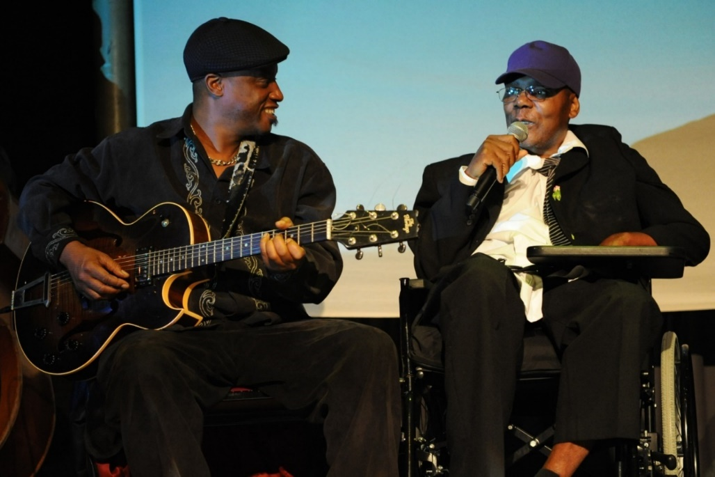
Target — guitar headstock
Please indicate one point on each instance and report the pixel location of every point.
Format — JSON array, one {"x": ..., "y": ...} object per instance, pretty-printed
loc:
[{"x": 360, "y": 228}]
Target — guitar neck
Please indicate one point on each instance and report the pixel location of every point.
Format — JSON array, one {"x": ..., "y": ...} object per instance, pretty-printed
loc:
[
  {"x": 354, "y": 229},
  {"x": 176, "y": 259}
]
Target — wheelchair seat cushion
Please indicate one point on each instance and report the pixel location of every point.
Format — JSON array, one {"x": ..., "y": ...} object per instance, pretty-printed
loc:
[{"x": 539, "y": 357}]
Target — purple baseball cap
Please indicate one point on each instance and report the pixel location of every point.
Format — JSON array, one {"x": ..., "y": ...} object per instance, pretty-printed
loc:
[{"x": 549, "y": 64}]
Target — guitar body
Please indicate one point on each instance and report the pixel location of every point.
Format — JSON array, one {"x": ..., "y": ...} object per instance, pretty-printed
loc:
[
  {"x": 166, "y": 253},
  {"x": 66, "y": 333}
]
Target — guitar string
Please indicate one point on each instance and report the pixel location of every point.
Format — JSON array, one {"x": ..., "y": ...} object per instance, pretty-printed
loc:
[{"x": 144, "y": 259}]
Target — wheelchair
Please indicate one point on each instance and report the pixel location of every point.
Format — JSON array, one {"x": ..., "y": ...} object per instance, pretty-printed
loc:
[{"x": 667, "y": 444}]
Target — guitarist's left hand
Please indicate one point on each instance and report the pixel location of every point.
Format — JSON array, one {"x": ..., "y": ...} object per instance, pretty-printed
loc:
[{"x": 279, "y": 254}]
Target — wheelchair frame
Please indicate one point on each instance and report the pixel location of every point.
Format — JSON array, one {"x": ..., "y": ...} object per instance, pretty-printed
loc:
[{"x": 673, "y": 451}]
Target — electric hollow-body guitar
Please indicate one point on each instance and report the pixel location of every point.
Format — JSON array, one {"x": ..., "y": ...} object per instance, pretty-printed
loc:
[{"x": 164, "y": 251}]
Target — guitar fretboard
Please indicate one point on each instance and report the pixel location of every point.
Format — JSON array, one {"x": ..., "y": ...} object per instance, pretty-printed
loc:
[{"x": 172, "y": 260}]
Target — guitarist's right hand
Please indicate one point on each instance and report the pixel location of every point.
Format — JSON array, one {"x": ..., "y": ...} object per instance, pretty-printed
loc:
[{"x": 95, "y": 274}]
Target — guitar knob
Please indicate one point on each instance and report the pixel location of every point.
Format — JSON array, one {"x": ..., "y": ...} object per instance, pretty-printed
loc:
[
  {"x": 358, "y": 255},
  {"x": 40, "y": 333},
  {"x": 72, "y": 345},
  {"x": 49, "y": 358},
  {"x": 63, "y": 318}
]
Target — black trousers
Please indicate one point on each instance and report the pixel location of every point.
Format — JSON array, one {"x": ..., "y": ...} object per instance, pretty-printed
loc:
[
  {"x": 152, "y": 387},
  {"x": 602, "y": 327}
]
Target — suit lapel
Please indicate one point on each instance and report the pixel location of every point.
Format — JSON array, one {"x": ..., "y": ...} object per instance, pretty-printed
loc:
[{"x": 572, "y": 161}]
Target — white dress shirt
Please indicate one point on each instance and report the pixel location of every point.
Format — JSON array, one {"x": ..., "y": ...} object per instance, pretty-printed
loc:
[{"x": 521, "y": 222}]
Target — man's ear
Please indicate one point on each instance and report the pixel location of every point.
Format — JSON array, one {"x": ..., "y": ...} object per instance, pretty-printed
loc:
[
  {"x": 214, "y": 84},
  {"x": 574, "y": 107}
]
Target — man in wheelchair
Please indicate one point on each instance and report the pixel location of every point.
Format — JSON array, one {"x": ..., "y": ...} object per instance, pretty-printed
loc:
[{"x": 546, "y": 182}]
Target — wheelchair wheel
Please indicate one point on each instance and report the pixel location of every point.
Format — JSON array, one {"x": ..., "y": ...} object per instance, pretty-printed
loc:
[
  {"x": 687, "y": 404},
  {"x": 678, "y": 407},
  {"x": 431, "y": 440}
]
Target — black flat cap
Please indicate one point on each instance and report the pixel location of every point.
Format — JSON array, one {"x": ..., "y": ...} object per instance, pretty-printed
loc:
[{"x": 223, "y": 44}]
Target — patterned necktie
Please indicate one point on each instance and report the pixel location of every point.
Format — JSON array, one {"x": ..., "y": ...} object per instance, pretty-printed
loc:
[{"x": 555, "y": 233}]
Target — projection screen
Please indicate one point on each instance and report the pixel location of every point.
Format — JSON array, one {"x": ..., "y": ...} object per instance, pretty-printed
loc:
[{"x": 381, "y": 89}]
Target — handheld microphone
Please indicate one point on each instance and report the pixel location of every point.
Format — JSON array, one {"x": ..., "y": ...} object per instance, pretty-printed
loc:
[
  {"x": 487, "y": 180},
  {"x": 519, "y": 130}
]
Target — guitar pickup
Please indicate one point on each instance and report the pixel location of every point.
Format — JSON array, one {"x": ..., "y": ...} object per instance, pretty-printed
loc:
[{"x": 143, "y": 275}]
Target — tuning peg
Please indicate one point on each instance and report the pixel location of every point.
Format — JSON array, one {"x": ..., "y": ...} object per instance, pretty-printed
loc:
[
  {"x": 379, "y": 251},
  {"x": 402, "y": 247},
  {"x": 380, "y": 207},
  {"x": 402, "y": 207},
  {"x": 358, "y": 254},
  {"x": 359, "y": 207}
]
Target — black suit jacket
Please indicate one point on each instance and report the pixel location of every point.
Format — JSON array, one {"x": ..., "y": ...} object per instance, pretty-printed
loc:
[{"x": 611, "y": 189}]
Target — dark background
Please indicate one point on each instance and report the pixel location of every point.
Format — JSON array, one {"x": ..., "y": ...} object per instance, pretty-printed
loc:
[{"x": 49, "y": 83}]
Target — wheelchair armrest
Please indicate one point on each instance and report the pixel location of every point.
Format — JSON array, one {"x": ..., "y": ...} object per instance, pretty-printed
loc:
[{"x": 648, "y": 262}]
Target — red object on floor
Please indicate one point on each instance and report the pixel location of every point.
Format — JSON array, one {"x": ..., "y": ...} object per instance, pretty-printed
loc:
[
  {"x": 108, "y": 470},
  {"x": 281, "y": 473}
]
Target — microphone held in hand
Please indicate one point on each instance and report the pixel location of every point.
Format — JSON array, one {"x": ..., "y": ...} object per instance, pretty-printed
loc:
[
  {"x": 519, "y": 130},
  {"x": 487, "y": 180}
]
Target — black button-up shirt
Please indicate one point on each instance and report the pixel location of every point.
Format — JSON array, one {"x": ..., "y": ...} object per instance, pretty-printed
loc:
[{"x": 134, "y": 170}]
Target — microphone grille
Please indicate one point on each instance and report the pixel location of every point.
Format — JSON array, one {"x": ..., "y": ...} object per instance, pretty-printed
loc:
[{"x": 519, "y": 130}]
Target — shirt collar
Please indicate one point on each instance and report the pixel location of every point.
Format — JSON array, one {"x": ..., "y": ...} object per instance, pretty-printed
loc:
[
  {"x": 532, "y": 161},
  {"x": 570, "y": 141},
  {"x": 176, "y": 126}
]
